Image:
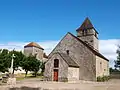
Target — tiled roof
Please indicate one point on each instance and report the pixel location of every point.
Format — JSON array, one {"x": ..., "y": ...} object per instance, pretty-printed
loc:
[
  {"x": 33, "y": 44},
  {"x": 68, "y": 60},
  {"x": 86, "y": 25}
]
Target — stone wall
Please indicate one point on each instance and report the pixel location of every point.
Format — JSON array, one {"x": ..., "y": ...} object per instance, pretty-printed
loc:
[
  {"x": 38, "y": 88},
  {"x": 25, "y": 88},
  {"x": 90, "y": 38},
  {"x": 28, "y": 51},
  {"x": 73, "y": 73},
  {"x": 62, "y": 70},
  {"x": 96, "y": 43},
  {"x": 33, "y": 51},
  {"x": 80, "y": 54},
  {"x": 102, "y": 67},
  {"x": 39, "y": 53}
]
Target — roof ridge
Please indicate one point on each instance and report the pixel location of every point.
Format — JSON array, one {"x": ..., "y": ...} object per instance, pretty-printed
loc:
[
  {"x": 66, "y": 60},
  {"x": 86, "y": 25},
  {"x": 33, "y": 44}
]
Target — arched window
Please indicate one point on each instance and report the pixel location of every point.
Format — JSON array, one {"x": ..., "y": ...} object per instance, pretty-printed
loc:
[
  {"x": 101, "y": 65},
  {"x": 56, "y": 63},
  {"x": 83, "y": 32},
  {"x": 67, "y": 52}
]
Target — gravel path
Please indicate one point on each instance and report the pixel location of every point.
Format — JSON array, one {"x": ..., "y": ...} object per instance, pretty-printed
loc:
[{"x": 113, "y": 84}]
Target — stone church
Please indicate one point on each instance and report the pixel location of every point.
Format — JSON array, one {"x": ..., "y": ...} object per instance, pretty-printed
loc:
[{"x": 77, "y": 57}]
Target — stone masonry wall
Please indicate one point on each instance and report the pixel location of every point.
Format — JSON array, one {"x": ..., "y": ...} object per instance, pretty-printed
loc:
[
  {"x": 81, "y": 54},
  {"x": 62, "y": 70},
  {"x": 73, "y": 73},
  {"x": 90, "y": 38},
  {"x": 102, "y": 68},
  {"x": 33, "y": 51},
  {"x": 39, "y": 53},
  {"x": 28, "y": 51}
]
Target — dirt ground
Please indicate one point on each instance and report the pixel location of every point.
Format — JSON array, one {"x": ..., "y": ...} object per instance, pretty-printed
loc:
[{"x": 113, "y": 84}]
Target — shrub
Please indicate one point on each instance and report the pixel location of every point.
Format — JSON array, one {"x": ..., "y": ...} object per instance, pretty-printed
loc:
[
  {"x": 63, "y": 79},
  {"x": 103, "y": 78}
]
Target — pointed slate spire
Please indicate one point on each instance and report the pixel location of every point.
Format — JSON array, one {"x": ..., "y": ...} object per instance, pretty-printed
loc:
[{"x": 86, "y": 25}]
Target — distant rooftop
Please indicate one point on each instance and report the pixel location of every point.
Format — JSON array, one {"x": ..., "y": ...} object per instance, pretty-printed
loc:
[{"x": 33, "y": 44}]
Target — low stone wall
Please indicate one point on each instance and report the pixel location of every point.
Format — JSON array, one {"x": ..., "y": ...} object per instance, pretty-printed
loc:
[
  {"x": 32, "y": 88},
  {"x": 25, "y": 88},
  {"x": 61, "y": 79},
  {"x": 115, "y": 75},
  {"x": 47, "y": 79}
]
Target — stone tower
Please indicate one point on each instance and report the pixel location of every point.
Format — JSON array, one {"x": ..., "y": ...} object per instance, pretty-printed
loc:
[
  {"x": 87, "y": 33},
  {"x": 34, "y": 49}
]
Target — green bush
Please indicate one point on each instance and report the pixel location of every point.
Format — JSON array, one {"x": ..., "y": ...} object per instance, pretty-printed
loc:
[
  {"x": 38, "y": 74},
  {"x": 103, "y": 78}
]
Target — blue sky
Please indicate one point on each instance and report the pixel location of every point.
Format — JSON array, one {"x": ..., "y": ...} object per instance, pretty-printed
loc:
[
  {"x": 47, "y": 21},
  {"x": 42, "y": 20}
]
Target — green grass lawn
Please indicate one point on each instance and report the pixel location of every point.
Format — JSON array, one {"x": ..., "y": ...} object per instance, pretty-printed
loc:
[
  {"x": 29, "y": 76},
  {"x": 22, "y": 76}
]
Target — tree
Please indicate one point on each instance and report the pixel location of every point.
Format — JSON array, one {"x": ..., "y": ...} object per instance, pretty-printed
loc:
[
  {"x": 25, "y": 64},
  {"x": 35, "y": 65},
  {"x": 17, "y": 59},
  {"x": 117, "y": 62},
  {"x": 30, "y": 64},
  {"x": 4, "y": 62},
  {"x": 42, "y": 66}
]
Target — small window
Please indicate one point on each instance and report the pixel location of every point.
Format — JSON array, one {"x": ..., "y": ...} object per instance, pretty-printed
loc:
[
  {"x": 101, "y": 65},
  {"x": 67, "y": 52},
  {"x": 96, "y": 35},
  {"x": 83, "y": 32},
  {"x": 91, "y": 40},
  {"x": 56, "y": 63}
]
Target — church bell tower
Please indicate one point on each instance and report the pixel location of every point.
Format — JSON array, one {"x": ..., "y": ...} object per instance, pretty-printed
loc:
[{"x": 87, "y": 33}]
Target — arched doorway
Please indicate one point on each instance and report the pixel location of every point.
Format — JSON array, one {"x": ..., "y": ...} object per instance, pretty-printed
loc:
[
  {"x": 56, "y": 66},
  {"x": 55, "y": 74}
]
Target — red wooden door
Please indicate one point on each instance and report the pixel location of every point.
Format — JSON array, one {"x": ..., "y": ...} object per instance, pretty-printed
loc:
[{"x": 55, "y": 74}]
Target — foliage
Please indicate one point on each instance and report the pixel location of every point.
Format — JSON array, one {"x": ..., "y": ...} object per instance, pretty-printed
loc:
[
  {"x": 20, "y": 60},
  {"x": 4, "y": 62},
  {"x": 117, "y": 62},
  {"x": 42, "y": 66},
  {"x": 35, "y": 64},
  {"x": 6, "y": 57},
  {"x": 25, "y": 64},
  {"x": 103, "y": 78},
  {"x": 113, "y": 70},
  {"x": 17, "y": 59},
  {"x": 31, "y": 64}
]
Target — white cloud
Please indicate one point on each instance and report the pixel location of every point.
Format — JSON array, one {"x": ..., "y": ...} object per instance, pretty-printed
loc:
[
  {"x": 47, "y": 45},
  {"x": 107, "y": 47}
]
